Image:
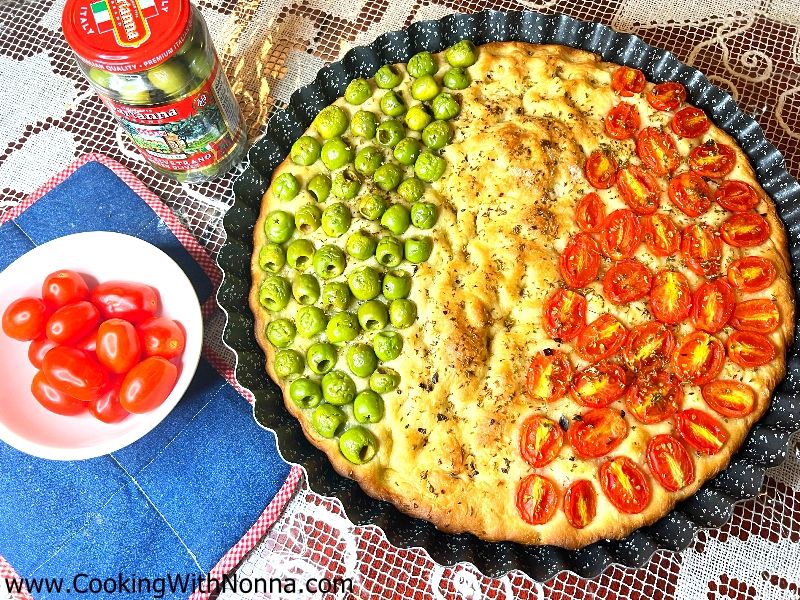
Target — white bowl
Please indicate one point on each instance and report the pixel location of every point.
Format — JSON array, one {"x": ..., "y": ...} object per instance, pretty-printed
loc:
[{"x": 99, "y": 256}]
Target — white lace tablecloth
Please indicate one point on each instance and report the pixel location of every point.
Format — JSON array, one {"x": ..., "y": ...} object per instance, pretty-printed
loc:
[{"x": 50, "y": 116}]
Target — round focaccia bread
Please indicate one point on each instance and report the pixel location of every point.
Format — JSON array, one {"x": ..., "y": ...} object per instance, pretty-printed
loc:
[{"x": 602, "y": 318}]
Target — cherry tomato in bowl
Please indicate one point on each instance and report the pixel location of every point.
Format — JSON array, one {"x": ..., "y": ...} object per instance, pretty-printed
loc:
[
  {"x": 25, "y": 319},
  {"x": 134, "y": 302},
  {"x": 64, "y": 287},
  {"x": 118, "y": 345},
  {"x": 163, "y": 337}
]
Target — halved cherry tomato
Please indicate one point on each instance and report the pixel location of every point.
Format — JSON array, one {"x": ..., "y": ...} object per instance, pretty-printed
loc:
[
  {"x": 590, "y": 213},
  {"x": 147, "y": 385},
  {"x": 760, "y": 315},
  {"x": 701, "y": 431},
  {"x": 627, "y": 280},
  {"x": 537, "y": 499},
  {"x": 540, "y": 441},
  {"x": 549, "y": 374},
  {"x": 745, "y": 230},
  {"x": 712, "y": 159},
  {"x": 38, "y": 348},
  {"x": 699, "y": 358},
  {"x": 655, "y": 396},
  {"x": 749, "y": 349},
  {"x": 627, "y": 81},
  {"x": 600, "y": 169},
  {"x": 751, "y": 273},
  {"x": 660, "y": 235},
  {"x": 657, "y": 150},
  {"x": 564, "y": 314},
  {"x": 712, "y": 305},
  {"x": 599, "y": 385},
  {"x": 669, "y": 462},
  {"x": 621, "y": 235},
  {"x": 25, "y": 319},
  {"x": 597, "y": 432},
  {"x": 729, "y": 398},
  {"x": 53, "y": 399},
  {"x": 73, "y": 322},
  {"x": 162, "y": 337},
  {"x": 624, "y": 484},
  {"x": 601, "y": 338},
  {"x": 64, "y": 287},
  {"x": 107, "y": 408},
  {"x": 690, "y": 193},
  {"x": 74, "y": 372},
  {"x": 623, "y": 121},
  {"x": 701, "y": 249},
  {"x": 649, "y": 346},
  {"x": 670, "y": 297},
  {"x": 690, "y": 122},
  {"x": 118, "y": 346},
  {"x": 580, "y": 261},
  {"x": 580, "y": 503},
  {"x": 736, "y": 196},
  {"x": 134, "y": 302},
  {"x": 666, "y": 96},
  {"x": 638, "y": 189}
]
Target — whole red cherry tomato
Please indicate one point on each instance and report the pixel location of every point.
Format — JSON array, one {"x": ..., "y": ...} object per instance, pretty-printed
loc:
[
  {"x": 53, "y": 399},
  {"x": 118, "y": 346},
  {"x": 107, "y": 408},
  {"x": 162, "y": 337},
  {"x": 148, "y": 384},
  {"x": 25, "y": 319},
  {"x": 73, "y": 322},
  {"x": 75, "y": 373},
  {"x": 64, "y": 287},
  {"x": 88, "y": 343},
  {"x": 38, "y": 348},
  {"x": 134, "y": 302}
]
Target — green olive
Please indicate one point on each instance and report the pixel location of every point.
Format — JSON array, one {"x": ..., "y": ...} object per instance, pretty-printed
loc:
[
  {"x": 445, "y": 106},
  {"x": 364, "y": 282},
  {"x": 384, "y": 380},
  {"x": 308, "y": 218},
  {"x": 327, "y": 419},
  {"x": 396, "y": 284},
  {"x": 387, "y": 77},
  {"x": 361, "y": 360},
  {"x": 279, "y": 226},
  {"x": 437, "y": 135},
  {"x": 321, "y": 357},
  {"x": 396, "y": 219},
  {"x": 131, "y": 89},
  {"x": 389, "y": 252},
  {"x": 281, "y": 332},
  {"x": 373, "y": 315},
  {"x": 402, "y": 313},
  {"x": 421, "y": 64},
  {"x": 346, "y": 184},
  {"x": 406, "y": 151},
  {"x": 335, "y": 296},
  {"x": 305, "y": 289},
  {"x": 342, "y": 327},
  {"x": 336, "y": 153},
  {"x": 411, "y": 189},
  {"x": 463, "y": 54},
  {"x": 329, "y": 262},
  {"x": 358, "y": 445},
  {"x": 305, "y": 151},
  {"x": 388, "y": 177},
  {"x": 424, "y": 215},
  {"x": 368, "y": 159},
  {"x": 418, "y": 117},
  {"x": 310, "y": 321},
  {"x": 331, "y": 122},
  {"x": 300, "y": 254},
  {"x": 364, "y": 124},
  {"x": 274, "y": 293},
  {"x": 319, "y": 186},
  {"x": 170, "y": 77},
  {"x": 200, "y": 63},
  {"x": 392, "y": 104},
  {"x": 368, "y": 407},
  {"x": 338, "y": 388},
  {"x": 455, "y": 78},
  {"x": 358, "y": 91},
  {"x": 429, "y": 167},
  {"x": 372, "y": 206},
  {"x": 360, "y": 245},
  {"x": 387, "y": 345},
  {"x": 336, "y": 219},
  {"x": 418, "y": 249},
  {"x": 305, "y": 393},
  {"x": 271, "y": 257},
  {"x": 99, "y": 77},
  {"x": 285, "y": 187},
  {"x": 390, "y": 132},
  {"x": 288, "y": 363},
  {"x": 424, "y": 88}
]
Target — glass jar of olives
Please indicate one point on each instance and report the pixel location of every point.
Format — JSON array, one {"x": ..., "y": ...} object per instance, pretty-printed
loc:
[{"x": 153, "y": 65}]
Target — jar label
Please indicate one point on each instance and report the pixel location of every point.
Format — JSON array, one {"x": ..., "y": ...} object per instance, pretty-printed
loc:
[
  {"x": 127, "y": 19},
  {"x": 194, "y": 132}
]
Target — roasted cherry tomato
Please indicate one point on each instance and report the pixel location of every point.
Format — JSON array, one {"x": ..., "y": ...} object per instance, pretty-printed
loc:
[
  {"x": 638, "y": 189},
  {"x": 148, "y": 384},
  {"x": 599, "y": 385},
  {"x": 690, "y": 193},
  {"x": 712, "y": 159},
  {"x": 73, "y": 322},
  {"x": 624, "y": 484},
  {"x": 549, "y": 374},
  {"x": 597, "y": 432},
  {"x": 590, "y": 213},
  {"x": 660, "y": 235},
  {"x": 699, "y": 358},
  {"x": 580, "y": 503},
  {"x": 118, "y": 346},
  {"x": 600, "y": 169},
  {"x": 736, "y": 196},
  {"x": 75, "y": 373},
  {"x": 690, "y": 122},
  {"x": 53, "y": 399},
  {"x": 654, "y": 396},
  {"x": 712, "y": 305},
  {"x": 623, "y": 121},
  {"x": 669, "y": 462},
  {"x": 729, "y": 398},
  {"x": 649, "y": 346},
  {"x": 701, "y": 249},
  {"x": 666, "y": 96},
  {"x": 64, "y": 287},
  {"x": 25, "y": 319},
  {"x": 760, "y": 315},
  {"x": 670, "y": 297},
  {"x": 580, "y": 261},
  {"x": 621, "y": 234},
  {"x": 540, "y": 441},
  {"x": 745, "y": 230},
  {"x": 749, "y": 349},
  {"x": 134, "y": 302},
  {"x": 601, "y": 338},
  {"x": 657, "y": 150},
  {"x": 564, "y": 314},
  {"x": 751, "y": 273},
  {"x": 627, "y": 81},
  {"x": 626, "y": 280},
  {"x": 38, "y": 348},
  {"x": 701, "y": 431},
  {"x": 107, "y": 407},
  {"x": 162, "y": 337},
  {"x": 537, "y": 499}
]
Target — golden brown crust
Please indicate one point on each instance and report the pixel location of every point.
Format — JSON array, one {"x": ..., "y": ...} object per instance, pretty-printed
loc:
[{"x": 449, "y": 441}]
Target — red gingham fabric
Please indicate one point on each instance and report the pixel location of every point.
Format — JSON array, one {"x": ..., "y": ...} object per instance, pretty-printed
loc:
[{"x": 7, "y": 573}]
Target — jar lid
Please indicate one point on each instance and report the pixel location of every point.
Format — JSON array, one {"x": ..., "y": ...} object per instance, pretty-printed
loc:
[{"x": 125, "y": 36}]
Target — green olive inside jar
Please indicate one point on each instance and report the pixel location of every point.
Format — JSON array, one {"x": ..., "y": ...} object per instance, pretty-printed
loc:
[{"x": 154, "y": 67}]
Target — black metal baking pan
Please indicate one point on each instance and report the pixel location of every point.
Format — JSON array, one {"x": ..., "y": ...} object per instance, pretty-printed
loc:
[{"x": 712, "y": 506}]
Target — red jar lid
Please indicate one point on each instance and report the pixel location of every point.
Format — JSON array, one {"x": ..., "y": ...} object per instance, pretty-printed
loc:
[{"x": 125, "y": 36}]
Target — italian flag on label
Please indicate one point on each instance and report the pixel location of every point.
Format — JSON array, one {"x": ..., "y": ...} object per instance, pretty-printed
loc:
[{"x": 102, "y": 16}]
